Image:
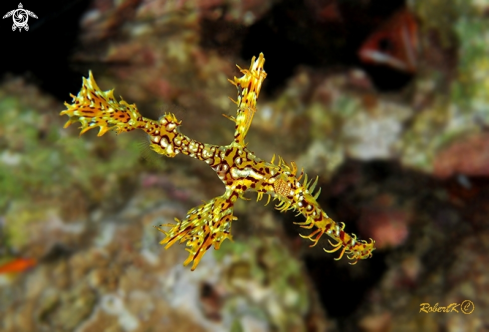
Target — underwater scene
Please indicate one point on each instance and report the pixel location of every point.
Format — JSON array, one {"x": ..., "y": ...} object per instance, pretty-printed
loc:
[{"x": 244, "y": 166}]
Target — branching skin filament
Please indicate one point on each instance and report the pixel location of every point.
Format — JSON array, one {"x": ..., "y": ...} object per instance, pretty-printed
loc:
[{"x": 237, "y": 167}]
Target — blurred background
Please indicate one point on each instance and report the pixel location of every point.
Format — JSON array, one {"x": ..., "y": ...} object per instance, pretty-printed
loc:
[{"x": 385, "y": 100}]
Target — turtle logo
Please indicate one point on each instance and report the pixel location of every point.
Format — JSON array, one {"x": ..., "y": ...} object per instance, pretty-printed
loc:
[{"x": 20, "y": 17}]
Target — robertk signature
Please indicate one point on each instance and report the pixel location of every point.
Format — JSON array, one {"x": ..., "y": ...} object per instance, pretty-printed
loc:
[{"x": 467, "y": 307}]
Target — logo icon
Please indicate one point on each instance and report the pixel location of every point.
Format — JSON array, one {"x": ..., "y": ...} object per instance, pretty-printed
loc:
[{"x": 20, "y": 17}]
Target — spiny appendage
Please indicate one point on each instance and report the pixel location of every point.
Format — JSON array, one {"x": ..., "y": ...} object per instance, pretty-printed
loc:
[
  {"x": 205, "y": 225},
  {"x": 354, "y": 248},
  {"x": 350, "y": 245},
  {"x": 249, "y": 86},
  {"x": 95, "y": 108},
  {"x": 316, "y": 217},
  {"x": 296, "y": 196}
]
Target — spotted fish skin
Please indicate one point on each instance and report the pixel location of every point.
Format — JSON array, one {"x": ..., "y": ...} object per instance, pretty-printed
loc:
[{"x": 238, "y": 168}]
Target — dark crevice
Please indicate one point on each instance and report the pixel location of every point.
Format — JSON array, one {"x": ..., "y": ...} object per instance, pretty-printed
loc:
[{"x": 292, "y": 33}]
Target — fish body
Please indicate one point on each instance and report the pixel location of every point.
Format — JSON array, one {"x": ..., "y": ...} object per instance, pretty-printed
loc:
[
  {"x": 394, "y": 44},
  {"x": 17, "y": 265}
]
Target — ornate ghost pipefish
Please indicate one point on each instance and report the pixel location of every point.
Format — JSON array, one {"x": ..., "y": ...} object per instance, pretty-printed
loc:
[{"x": 237, "y": 167}]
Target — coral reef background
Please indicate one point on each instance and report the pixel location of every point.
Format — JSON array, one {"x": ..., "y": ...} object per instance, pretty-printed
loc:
[{"x": 402, "y": 156}]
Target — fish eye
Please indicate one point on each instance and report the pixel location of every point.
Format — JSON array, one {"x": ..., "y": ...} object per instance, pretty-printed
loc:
[{"x": 385, "y": 45}]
